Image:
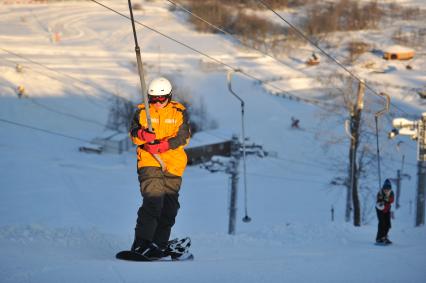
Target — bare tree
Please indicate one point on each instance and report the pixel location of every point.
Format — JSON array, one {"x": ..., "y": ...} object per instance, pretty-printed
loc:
[
  {"x": 360, "y": 163},
  {"x": 120, "y": 114}
]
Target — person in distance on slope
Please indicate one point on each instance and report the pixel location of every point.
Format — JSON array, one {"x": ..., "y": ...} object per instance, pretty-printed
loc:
[
  {"x": 384, "y": 201},
  {"x": 160, "y": 189}
]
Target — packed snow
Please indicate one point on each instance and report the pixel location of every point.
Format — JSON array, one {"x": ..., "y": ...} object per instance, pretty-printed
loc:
[{"x": 64, "y": 214}]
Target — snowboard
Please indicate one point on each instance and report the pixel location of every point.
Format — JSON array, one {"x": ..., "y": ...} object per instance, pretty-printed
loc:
[
  {"x": 133, "y": 256},
  {"x": 382, "y": 244},
  {"x": 176, "y": 250}
]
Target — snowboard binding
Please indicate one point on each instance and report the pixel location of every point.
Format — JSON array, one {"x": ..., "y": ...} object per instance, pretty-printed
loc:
[{"x": 178, "y": 249}]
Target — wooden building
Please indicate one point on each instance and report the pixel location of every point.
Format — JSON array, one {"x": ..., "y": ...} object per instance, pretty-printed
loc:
[
  {"x": 204, "y": 145},
  {"x": 113, "y": 142},
  {"x": 398, "y": 52}
]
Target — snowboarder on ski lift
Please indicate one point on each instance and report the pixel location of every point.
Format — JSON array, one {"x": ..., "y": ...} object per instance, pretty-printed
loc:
[
  {"x": 159, "y": 189},
  {"x": 20, "y": 91},
  {"x": 385, "y": 198},
  {"x": 295, "y": 123},
  {"x": 313, "y": 60}
]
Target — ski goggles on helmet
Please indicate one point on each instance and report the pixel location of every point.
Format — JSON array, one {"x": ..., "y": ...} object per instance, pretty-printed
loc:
[{"x": 158, "y": 98}]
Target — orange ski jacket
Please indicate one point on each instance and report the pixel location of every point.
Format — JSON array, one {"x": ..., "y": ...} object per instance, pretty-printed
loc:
[{"x": 169, "y": 123}]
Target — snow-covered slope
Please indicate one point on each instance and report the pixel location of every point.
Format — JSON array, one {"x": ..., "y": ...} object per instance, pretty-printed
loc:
[{"x": 64, "y": 214}]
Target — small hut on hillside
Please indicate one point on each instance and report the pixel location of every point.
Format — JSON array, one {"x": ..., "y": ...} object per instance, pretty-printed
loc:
[
  {"x": 397, "y": 52},
  {"x": 204, "y": 145},
  {"x": 113, "y": 142}
]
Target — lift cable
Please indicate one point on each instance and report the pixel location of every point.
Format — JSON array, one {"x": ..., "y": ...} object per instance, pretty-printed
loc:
[
  {"x": 302, "y": 35},
  {"x": 311, "y": 101}
]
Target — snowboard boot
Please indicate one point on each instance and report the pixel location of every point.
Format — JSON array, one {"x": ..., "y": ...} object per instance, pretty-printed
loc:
[
  {"x": 148, "y": 249},
  {"x": 387, "y": 241}
]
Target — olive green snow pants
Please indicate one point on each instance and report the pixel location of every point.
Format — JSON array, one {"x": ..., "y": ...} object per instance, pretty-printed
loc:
[{"x": 156, "y": 216}]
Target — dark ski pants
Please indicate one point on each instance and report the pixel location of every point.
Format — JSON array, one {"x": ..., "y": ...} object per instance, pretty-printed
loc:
[
  {"x": 384, "y": 223},
  {"x": 156, "y": 216}
]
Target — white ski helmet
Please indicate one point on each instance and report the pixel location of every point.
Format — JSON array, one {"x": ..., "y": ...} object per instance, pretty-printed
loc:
[{"x": 160, "y": 87}]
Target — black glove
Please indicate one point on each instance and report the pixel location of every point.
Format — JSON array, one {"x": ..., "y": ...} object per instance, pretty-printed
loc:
[{"x": 134, "y": 131}]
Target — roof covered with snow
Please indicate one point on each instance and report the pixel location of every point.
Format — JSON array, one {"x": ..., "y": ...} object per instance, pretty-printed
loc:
[
  {"x": 397, "y": 49},
  {"x": 209, "y": 137}
]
